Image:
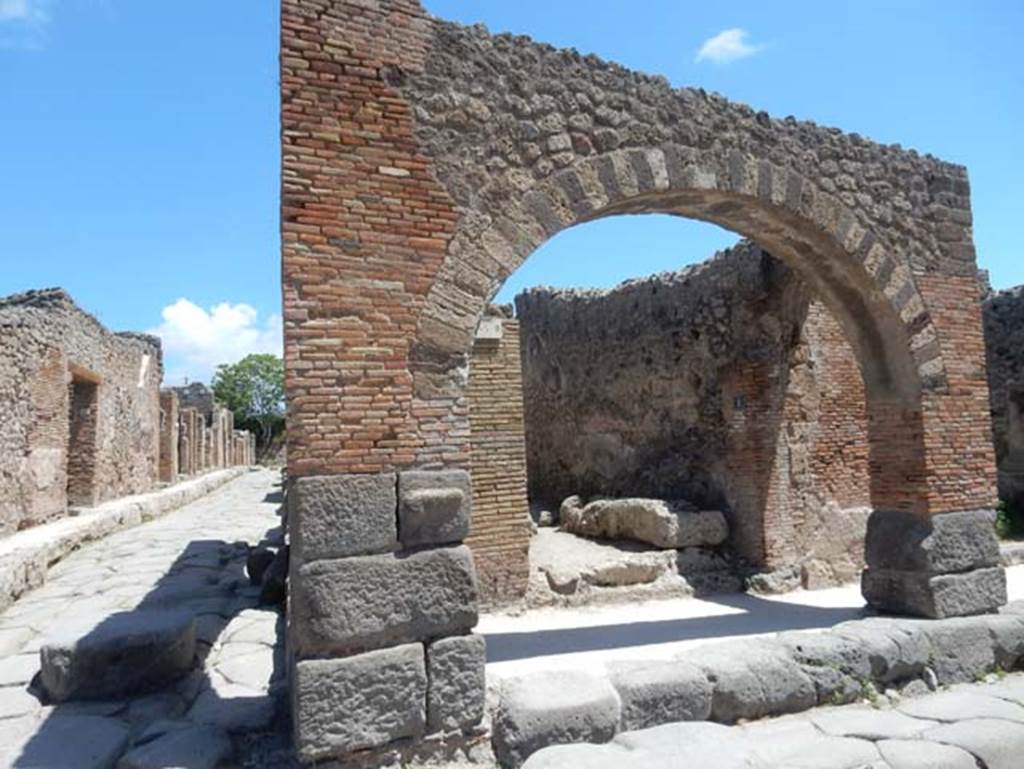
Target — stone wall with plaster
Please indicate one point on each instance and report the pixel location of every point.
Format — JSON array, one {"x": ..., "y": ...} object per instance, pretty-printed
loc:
[
  {"x": 81, "y": 409},
  {"x": 724, "y": 384}
]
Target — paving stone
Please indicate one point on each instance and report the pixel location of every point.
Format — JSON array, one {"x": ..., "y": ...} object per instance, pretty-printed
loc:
[
  {"x": 12, "y": 639},
  {"x": 868, "y": 723},
  {"x": 918, "y": 754},
  {"x": 660, "y": 692},
  {"x": 552, "y": 708},
  {"x": 155, "y": 707},
  {"x": 831, "y": 753},
  {"x": 958, "y": 705},
  {"x": 772, "y": 739},
  {"x": 700, "y": 743},
  {"x": 333, "y": 516},
  {"x": 202, "y": 747},
  {"x": 353, "y": 604},
  {"x": 128, "y": 653},
  {"x": 752, "y": 679},
  {"x": 15, "y": 701},
  {"x": 588, "y": 757},
  {"x": 18, "y": 669},
  {"x": 74, "y": 742},
  {"x": 457, "y": 688},
  {"x": 254, "y": 670},
  {"x": 364, "y": 701},
  {"x": 434, "y": 507},
  {"x": 1010, "y": 688},
  {"x": 997, "y": 743},
  {"x": 233, "y": 708}
]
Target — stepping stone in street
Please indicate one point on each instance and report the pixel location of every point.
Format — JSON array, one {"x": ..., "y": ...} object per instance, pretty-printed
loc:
[{"x": 126, "y": 654}]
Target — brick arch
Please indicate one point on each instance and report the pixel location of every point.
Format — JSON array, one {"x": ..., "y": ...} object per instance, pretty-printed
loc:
[{"x": 872, "y": 293}]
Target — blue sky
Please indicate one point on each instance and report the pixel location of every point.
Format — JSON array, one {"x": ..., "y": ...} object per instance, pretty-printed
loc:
[{"x": 139, "y": 157}]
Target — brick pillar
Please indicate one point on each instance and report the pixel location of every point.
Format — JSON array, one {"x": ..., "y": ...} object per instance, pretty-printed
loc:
[
  {"x": 500, "y": 533},
  {"x": 169, "y": 436},
  {"x": 383, "y": 594}
]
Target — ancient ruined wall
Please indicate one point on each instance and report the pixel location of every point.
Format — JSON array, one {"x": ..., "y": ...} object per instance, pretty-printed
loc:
[
  {"x": 499, "y": 535},
  {"x": 723, "y": 384},
  {"x": 52, "y": 355},
  {"x": 1004, "y": 336}
]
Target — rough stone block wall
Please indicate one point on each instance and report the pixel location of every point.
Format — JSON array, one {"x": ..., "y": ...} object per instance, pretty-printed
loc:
[
  {"x": 499, "y": 535},
  {"x": 724, "y": 384},
  {"x": 1004, "y": 337},
  {"x": 46, "y": 342}
]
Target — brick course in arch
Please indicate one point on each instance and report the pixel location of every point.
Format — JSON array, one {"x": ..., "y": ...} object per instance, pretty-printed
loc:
[{"x": 423, "y": 162}]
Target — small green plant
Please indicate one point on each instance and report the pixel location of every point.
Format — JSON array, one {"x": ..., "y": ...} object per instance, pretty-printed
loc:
[
  {"x": 872, "y": 696},
  {"x": 1009, "y": 521}
]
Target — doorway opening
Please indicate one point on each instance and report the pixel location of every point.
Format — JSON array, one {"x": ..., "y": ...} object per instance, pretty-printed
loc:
[{"x": 83, "y": 413}]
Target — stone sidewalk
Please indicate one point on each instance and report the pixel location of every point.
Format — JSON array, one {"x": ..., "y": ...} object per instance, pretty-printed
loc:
[
  {"x": 964, "y": 727},
  {"x": 226, "y": 710}
]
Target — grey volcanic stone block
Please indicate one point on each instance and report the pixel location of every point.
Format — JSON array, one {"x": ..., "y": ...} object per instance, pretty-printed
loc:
[
  {"x": 360, "y": 702},
  {"x": 455, "y": 669},
  {"x": 963, "y": 649},
  {"x": 552, "y": 708},
  {"x": 354, "y": 604},
  {"x": 126, "y": 654},
  {"x": 199, "y": 747},
  {"x": 333, "y": 516},
  {"x": 896, "y": 651},
  {"x": 1007, "y": 632},
  {"x": 668, "y": 525},
  {"x": 838, "y": 666},
  {"x": 434, "y": 507},
  {"x": 752, "y": 679},
  {"x": 660, "y": 692},
  {"x": 935, "y": 596},
  {"x": 946, "y": 542}
]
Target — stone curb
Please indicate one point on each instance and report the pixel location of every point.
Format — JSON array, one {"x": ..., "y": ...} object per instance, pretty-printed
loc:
[
  {"x": 1011, "y": 553},
  {"x": 26, "y": 556},
  {"x": 787, "y": 673}
]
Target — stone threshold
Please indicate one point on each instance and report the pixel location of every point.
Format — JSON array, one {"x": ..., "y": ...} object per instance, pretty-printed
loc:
[
  {"x": 25, "y": 557},
  {"x": 746, "y": 680}
]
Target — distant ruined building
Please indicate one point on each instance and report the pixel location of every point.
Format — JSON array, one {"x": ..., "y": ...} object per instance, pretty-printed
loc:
[{"x": 83, "y": 417}]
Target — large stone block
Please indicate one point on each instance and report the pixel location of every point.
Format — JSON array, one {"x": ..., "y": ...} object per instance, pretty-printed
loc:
[
  {"x": 126, "y": 654},
  {"x": 360, "y": 702},
  {"x": 935, "y": 595},
  {"x": 455, "y": 667},
  {"x": 668, "y": 525},
  {"x": 946, "y": 542},
  {"x": 333, "y": 516},
  {"x": 660, "y": 692},
  {"x": 552, "y": 708},
  {"x": 752, "y": 679},
  {"x": 434, "y": 507},
  {"x": 354, "y": 604}
]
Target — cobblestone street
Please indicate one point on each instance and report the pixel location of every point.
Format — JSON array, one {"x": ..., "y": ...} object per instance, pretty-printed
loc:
[{"x": 193, "y": 559}]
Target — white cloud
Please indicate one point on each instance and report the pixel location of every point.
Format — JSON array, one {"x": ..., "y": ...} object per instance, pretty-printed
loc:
[
  {"x": 727, "y": 46},
  {"x": 196, "y": 341},
  {"x": 23, "y": 23}
]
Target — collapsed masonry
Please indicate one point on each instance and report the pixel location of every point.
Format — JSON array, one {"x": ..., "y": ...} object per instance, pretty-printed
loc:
[{"x": 83, "y": 417}]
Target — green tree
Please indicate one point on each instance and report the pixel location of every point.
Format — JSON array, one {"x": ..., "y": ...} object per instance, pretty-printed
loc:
[{"x": 253, "y": 389}]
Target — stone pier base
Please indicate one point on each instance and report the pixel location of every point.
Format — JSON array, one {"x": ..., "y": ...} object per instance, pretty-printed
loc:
[
  {"x": 946, "y": 565},
  {"x": 383, "y": 602}
]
